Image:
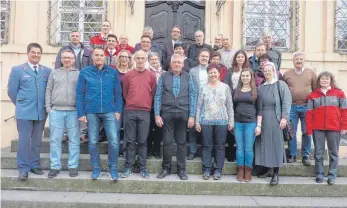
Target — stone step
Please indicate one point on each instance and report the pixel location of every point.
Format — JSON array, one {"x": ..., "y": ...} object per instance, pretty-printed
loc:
[
  {"x": 195, "y": 185},
  {"x": 45, "y": 148},
  {"x": 8, "y": 161},
  {"x": 40, "y": 199}
]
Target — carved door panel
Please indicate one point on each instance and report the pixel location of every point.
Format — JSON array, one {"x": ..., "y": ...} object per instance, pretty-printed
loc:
[{"x": 163, "y": 15}]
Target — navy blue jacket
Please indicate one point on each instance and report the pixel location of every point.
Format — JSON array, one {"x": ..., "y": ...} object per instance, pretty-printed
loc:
[{"x": 98, "y": 91}]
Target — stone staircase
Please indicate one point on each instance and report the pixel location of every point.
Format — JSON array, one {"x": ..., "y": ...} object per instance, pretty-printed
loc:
[{"x": 297, "y": 187}]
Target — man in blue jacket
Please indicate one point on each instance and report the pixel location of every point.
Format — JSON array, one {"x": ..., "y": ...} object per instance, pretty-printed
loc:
[
  {"x": 99, "y": 101},
  {"x": 26, "y": 89}
]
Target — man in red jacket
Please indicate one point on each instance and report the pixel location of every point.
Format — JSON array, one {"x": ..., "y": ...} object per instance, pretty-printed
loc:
[
  {"x": 139, "y": 87},
  {"x": 101, "y": 39},
  {"x": 326, "y": 117},
  {"x": 123, "y": 45}
]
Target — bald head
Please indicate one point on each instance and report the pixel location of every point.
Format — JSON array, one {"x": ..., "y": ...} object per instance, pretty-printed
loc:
[{"x": 140, "y": 60}]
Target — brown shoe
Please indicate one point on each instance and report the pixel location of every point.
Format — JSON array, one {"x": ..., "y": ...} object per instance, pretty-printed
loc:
[
  {"x": 248, "y": 174},
  {"x": 84, "y": 139},
  {"x": 240, "y": 173}
]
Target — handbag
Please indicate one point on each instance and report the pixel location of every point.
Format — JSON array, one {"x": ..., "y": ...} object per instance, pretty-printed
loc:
[{"x": 288, "y": 131}]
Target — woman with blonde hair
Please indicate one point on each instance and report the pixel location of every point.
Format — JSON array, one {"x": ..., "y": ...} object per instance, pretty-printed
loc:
[{"x": 124, "y": 64}]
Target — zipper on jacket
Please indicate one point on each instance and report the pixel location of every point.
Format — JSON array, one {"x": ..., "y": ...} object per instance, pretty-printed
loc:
[
  {"x": 67, "y": 84},
  {"x": 325, "y": 111},
  {"x": 100, "y": 78}
]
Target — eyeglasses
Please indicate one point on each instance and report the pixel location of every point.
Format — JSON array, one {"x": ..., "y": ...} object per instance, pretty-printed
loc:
[
  {"x": 67, "y": 57},
  {"x": 123, "y": 57}
]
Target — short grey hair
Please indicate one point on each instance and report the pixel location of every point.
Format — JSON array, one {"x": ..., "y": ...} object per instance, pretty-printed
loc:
[
  {"x": 152, "y": 54},
  {"x": 147, "y": 28},
  {"x": 267, "y": 33},
  {"x": 198, "y": 31},
  {"x": 176, "y": 56},
  {"x": 299, "y": 53}
]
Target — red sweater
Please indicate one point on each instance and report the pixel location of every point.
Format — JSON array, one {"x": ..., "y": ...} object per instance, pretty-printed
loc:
[
  {"x": 139, "y": 90},
  {"x": 326, "y": 112}
]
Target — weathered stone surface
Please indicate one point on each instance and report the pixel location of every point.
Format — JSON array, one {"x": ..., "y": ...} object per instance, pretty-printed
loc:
[
  {"x": 228, "y": 186},
  {"x": 39, "y": 199},
  {"x": 8, "y": 161},
  {"x": 45, "y": 148}
]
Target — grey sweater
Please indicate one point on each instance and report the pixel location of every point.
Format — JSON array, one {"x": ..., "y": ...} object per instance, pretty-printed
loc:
[{"x": 61, "y": 90}]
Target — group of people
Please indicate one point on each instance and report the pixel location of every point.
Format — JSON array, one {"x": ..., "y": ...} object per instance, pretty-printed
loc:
[{"x": 157, "y": 94}]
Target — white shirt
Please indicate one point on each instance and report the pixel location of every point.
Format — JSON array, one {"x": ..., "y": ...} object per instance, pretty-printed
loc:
[
  {"x": 299, "y": 72},
  {"x": 235, "y": 77},
  {"x": 325, "y": 90},
  {"x": 227, "y": 57},
  {"x": 32, "y": 66},
  {"x": 173, "y": 43},
  {"x": 203, "y": 76}
]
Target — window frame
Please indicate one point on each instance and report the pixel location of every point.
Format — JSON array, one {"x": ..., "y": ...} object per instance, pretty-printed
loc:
[
  {"x": 83, "y": 9},
  {"x": 291, "y": 21},
  {"x": 5, "y": 12},
  {"x": 340, "y": 16}
]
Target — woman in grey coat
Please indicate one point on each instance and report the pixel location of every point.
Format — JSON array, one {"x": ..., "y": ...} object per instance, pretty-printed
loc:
[{"x": 272, "y": 119}]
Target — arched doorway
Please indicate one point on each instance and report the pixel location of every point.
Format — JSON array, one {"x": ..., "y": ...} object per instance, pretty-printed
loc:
[{"x": 163, "y": 15}]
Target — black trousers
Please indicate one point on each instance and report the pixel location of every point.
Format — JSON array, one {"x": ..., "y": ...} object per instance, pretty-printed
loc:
[
  {"x": 174, "y": 129},
  {"x": 154, "y": 137},
  {"x": 136, "y": 130}
]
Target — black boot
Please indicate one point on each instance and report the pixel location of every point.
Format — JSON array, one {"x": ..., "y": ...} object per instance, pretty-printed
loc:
[{"x": 275, "y": 179}]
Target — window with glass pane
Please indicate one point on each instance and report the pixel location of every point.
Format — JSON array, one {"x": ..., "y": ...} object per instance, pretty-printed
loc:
[
  {"x": 82, "y": 15},
  {"x": 4, "y": 20},
  {"x": 278, "y": 16},
  {"x": 341, "y": 26}
]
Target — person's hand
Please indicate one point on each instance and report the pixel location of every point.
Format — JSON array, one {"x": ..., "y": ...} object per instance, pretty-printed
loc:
[
  {"x": 257, "y": 131},
  {"x": 198, "y": 128},
  {"x": 230, "y": 127},
  {"x": 283, "y": 123},
  {"x": 343, "y": 131},
  {"x": 191, "y": 122},
  {"x": 83, "y": 119},
  {"x": 117, "y": 115},
  {"x": 159, "y": 121}
]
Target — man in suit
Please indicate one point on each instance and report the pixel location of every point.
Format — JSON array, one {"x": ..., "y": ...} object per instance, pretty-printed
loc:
[
  {"x": 199, "y": 76},
  {"x": 168, "y": 47},
  {"x": 194, "y": 49},
  {"x": 110, "y": 50},
  {"x": 26, "y": 89}
]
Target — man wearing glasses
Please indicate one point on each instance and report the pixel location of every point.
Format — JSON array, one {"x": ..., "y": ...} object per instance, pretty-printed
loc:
[
  {"x": 82, "y": 58},
  {"x": 123, "y": 45},
  {"x": 194, "y": 49},
  {"x": 61, "y": 106}
]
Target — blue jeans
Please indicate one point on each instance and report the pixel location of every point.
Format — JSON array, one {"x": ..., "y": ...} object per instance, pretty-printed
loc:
[
  {"x": 109, "y": 122},
  {"x": 58, "y": 120},
  {"x": 245, "y": 136},
  {"x": 299, "y": 112},
  {"x": 213, "y": 136}
]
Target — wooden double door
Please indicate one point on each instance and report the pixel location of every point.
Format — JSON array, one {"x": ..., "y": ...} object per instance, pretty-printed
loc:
[{"x": 189, "y": 16}]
